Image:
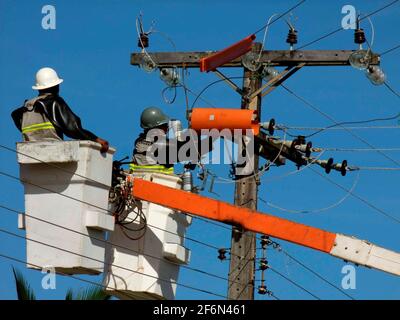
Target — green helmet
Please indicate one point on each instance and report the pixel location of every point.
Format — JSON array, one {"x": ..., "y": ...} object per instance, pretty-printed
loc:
[{"x": 152, "y": 117}]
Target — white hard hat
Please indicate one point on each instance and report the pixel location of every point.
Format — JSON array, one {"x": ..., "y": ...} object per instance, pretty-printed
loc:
[{"x": 46, "y": 78}]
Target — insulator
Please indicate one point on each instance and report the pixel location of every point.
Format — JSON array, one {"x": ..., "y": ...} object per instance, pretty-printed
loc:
[
  {"x": 262, "y": 289},
  {"x": 359, "y": 36},
  {"x": 263, "y": 264},
  {"x": 292, "y": 37},
  {"x": 360, "y": 59},
  {"x": 301, "y": 139},
  {"x": 222, "y": 254},
  {"x": 343, "y": 168},
  {"x": 143, "y": 41},
  {"x": 269, "y": 126},
  {"x": 187, "y": 181},
  {"x": 265, "y": 241},
  {"x": 170, "y": 76},
  {"x": 375, "y": 75},
  {"x": 329, "y": 165},
  {"x": 147, "y": 64},
  {"x": 175, "y": 127},
  {"x": 269, "y": 73},
  {"x": 308, "y": 149},
  {"x": 251, "y": 62}
]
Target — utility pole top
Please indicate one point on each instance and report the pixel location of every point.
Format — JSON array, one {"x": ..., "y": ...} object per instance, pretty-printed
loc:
[{"x": 281, "y": 58}]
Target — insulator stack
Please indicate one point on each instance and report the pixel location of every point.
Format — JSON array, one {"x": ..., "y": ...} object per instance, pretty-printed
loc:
[{"x": 143, "y": 41}]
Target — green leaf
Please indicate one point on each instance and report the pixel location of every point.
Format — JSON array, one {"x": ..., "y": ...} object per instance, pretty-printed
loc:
[
  {"x": 24, "y": 291},
  {"x": 69, "y": 295},
  {"x": 91, "y": 293}
]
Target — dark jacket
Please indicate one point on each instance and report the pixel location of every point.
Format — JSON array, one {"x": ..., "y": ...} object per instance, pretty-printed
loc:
[{"x": 60, "y": 115}]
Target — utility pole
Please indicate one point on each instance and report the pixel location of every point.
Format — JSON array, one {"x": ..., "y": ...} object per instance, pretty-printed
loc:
[{"x": 243, "y": 243}]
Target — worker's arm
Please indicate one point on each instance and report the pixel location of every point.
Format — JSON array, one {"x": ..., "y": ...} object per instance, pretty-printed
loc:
[
  {"x": 17, "y": 117},
  {"x": 71, "y": 125}
]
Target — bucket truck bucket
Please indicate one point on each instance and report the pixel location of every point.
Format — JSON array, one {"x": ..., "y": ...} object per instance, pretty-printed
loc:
[
  {"x": 144, "y": 264},
  {"x": 61, "y": 179}
]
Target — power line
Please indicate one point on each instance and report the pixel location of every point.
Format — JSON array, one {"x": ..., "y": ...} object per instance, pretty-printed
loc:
[
  {"x": 103, "y": 209},
  {"x": 375, "y": 168},
  {"x": 340, "y": 29},
  {"x": 110, "y": 264},
  {"x": 81, "y": 176},
  {"x": 369, "y": 204},
  {"x": 359, "y": 149},
  {"x": 337, "y": 203},
  {"x": 114, "y": 244},
  {"x": 293, "y": 282},
  {"x": 64, "y": 274},
  {"x": 316, "y": 274},
  {"x": 279, "y": 17},
  {"x": 342, "y": 128},
  {"x": 337, "y": 123},
  {"x": 390, "y": 50},
  {"x": 392, "y": 90}
]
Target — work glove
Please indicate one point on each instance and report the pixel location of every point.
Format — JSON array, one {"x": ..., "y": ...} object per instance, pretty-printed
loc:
[{"x": 104, "y": 145}]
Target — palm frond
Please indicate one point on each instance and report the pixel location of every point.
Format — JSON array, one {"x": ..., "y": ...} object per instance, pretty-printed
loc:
[
  {"x": 90, "y": 293},
  {"x": 24, "y": 290}
]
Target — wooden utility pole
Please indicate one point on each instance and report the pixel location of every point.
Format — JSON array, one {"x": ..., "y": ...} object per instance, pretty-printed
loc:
[{"x": 243, "y": 243}]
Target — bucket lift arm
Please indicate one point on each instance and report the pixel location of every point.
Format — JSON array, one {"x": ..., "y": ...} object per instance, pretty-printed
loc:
[{"x": 360, "y": 252}]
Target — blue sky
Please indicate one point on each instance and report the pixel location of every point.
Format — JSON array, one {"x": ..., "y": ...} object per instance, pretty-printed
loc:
[{"x": 90, "y": 49}]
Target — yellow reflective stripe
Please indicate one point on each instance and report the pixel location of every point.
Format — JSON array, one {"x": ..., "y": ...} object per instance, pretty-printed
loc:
[
  {"x": 159, "y": 168},
  {"x": 38, "y": 125},
  {"x": 36, "y": 129}
]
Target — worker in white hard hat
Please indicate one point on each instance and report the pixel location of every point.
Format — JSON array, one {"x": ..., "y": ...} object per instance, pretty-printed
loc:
[{"x": 48, "y": 117}]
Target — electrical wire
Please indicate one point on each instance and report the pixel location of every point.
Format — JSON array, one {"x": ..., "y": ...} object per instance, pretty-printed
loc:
[
  {"x": 64, "y": 274},
  {"x": 89, "y": 179},
  {"x": 340, "y": 29},
  {"x": 390, "y": 50},
  {"x": 369, "y": 204},
  {"x": 359, "y": 149},
  {"x": 375, "y": 168},
  {"x": 279, "y": 127},
  {"x": 265, "y": 36},
  {"x": 316, "y": 273},
  {"x": 293, "y": 282},
  {"x": 103, "y": 209},
  {"x": 337, "y": 123},
  {"x": 334, "y": 205},
  {"x": 97, "y": 182},
  {"x": 279, "y": 17},
  {"x": 114, "y": 244},
  {"x": 110, "y": 264},
  {"x": 392, "y": 90}
]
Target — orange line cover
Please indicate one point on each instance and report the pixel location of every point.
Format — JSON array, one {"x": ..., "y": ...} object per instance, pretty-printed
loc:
[
  {"x": 228, "y": 54},
  {"x": 216, "y": 118},
  {"x": 224, "y": 212}
]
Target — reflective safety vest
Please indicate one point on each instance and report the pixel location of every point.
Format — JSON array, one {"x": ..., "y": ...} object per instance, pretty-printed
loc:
[
  {"x": 152, "y": 167},
  {"x": 35, "y": 124}
]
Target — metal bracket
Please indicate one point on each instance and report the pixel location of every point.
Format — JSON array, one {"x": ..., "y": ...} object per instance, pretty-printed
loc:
[{"x": 228, "y": 81}]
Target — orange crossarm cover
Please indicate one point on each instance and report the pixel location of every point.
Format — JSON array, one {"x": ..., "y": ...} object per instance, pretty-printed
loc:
[
  {"x": 224, "y": 212},
  {"x": 214, "y": 118},
  {"x": 228, "y": 54}
]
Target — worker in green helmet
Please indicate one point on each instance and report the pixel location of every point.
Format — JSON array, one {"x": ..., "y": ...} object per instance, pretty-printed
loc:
[{"x": 152, "y": 149}]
